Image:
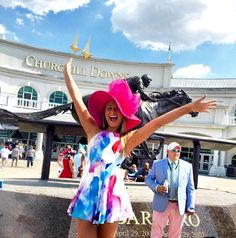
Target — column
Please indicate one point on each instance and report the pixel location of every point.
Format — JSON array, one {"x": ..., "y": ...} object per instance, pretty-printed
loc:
[
  {"x": 214, "y": 167},
  {"x": 195, "y": 162},
  {"x": 221, "y": 169},
  {"x": 39, "y": 145},
  {"x": 48, "y": 153}
]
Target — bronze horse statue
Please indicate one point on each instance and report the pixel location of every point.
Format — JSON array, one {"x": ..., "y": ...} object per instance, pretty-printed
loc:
[{"x": 162, "y": 103}]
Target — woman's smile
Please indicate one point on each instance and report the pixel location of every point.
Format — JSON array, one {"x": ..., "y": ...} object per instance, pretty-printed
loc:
[
  {"x": 113, "y": 115},
  {"x": 113, "y": 118}
]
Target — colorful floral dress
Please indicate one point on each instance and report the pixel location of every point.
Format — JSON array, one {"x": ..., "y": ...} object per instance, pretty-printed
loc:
[{"x": 102, "y": 196}]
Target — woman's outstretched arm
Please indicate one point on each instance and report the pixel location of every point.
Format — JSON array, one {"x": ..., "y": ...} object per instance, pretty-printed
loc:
[
  {"x": 143, "y": 133},
  {"x": 86, "y": 120}
]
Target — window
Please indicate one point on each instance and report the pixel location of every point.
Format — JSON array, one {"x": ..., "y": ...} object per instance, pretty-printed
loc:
[
  {"x": 27, "y": 93},
  {"x": 27, "y": 97},
  {"x": 58, "y": 97}
]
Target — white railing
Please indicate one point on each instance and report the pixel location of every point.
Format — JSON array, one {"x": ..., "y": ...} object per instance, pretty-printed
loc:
[
  {"x": 50, "y": 104},
  {"x": 11, "y": 100},
  {"x": 32, "y": 104}
]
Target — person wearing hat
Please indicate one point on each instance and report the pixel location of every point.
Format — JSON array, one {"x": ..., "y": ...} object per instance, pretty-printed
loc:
[
  {"x": 109, "y": 121},
  {"x": 176, "y": 198}
]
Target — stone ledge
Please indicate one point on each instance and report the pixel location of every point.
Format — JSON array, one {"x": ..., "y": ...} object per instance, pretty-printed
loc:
[
  {"x": 40, "y": 216},
  {"x": 25, "y": 215}
]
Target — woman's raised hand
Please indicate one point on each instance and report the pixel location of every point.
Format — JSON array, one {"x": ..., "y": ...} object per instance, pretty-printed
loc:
[
  {"x": 67, "y": 68},
  {"x": 201, "y": 105}
]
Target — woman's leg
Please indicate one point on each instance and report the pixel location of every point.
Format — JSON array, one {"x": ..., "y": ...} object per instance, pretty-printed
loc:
[
  {"x": 86, "y": 229},
  {"x": 107, "y": 230}
]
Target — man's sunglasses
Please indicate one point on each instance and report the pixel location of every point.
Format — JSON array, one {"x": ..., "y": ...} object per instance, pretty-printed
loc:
[{"x": 175, "y": 150}]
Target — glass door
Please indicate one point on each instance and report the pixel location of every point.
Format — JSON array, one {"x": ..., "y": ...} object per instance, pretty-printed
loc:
[{"x": 205, "y": 162}]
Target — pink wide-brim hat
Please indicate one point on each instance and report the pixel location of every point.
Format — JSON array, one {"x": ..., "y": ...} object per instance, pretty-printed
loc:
[{"x": 120, "y": 92}]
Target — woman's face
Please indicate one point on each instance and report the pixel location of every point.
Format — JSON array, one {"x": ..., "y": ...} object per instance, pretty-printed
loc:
[{"x": 113, "y": 116}]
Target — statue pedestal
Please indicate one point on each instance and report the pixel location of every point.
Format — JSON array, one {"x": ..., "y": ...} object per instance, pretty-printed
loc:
[
  {"x": 221, "y": 171},
  {"x": 218, "y": 171},
  {"x": 41, "y": 216},
  {"x": 213, "y": 170}
]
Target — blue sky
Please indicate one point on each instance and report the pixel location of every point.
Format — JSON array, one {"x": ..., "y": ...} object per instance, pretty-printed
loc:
[{"x": 202, "y": 32}]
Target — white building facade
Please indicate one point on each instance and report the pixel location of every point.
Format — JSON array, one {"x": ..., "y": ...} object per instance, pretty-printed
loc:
[{"x": 31, "y": 79}]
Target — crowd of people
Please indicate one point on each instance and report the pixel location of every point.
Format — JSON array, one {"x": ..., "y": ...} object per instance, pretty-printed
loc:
[
  {"x": 132, "y": 174},
  {"x": 71, "y": 161},
  {"x": 14, "y": 151}
]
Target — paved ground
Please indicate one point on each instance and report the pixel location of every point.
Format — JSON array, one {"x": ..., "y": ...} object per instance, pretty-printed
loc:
[{"x": 211, "y": 190}]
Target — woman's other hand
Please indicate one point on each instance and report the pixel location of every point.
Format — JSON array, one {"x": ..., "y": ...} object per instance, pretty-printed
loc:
[{"x": 201, "y": 105}]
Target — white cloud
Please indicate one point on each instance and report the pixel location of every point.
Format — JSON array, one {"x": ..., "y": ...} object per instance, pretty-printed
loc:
[
  {"x": 186, "y": 23},
  {"x": 42, "y": 7},
  {"x": 36, "y": 32},
  {"x": 192, "y": 71},
  {"x": 110, "y": 2},
  {"x": 14, "y": 36},
  {"x": 19, "y": 21},
  {"x": 34, "y": 18},
  {"x": 99, "y": 16},
  {"x": 4, "y": 32}
]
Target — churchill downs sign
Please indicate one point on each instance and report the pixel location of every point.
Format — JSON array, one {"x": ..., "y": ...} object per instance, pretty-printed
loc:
[{"x": 91, "y": 71}]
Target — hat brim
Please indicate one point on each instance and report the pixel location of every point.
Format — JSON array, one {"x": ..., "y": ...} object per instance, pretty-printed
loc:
[{"x": 96, "y": 106}]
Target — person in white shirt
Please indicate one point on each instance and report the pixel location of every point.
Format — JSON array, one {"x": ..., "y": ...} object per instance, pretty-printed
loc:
[
  {"x": 79, "y": 163},
  {"x": 5, "y": 152}
]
